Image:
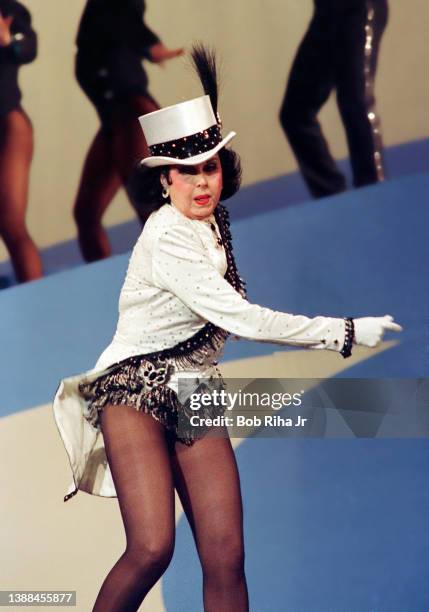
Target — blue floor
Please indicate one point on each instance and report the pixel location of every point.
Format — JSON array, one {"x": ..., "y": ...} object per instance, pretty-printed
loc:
[{"x": 330, "y": 526}]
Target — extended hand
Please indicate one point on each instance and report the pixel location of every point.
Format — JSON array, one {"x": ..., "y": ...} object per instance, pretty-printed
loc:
[
  {"x": 159, "y": 53},
  {"x": 5, "y": 33},
  {"x": 369, "y": 330}
]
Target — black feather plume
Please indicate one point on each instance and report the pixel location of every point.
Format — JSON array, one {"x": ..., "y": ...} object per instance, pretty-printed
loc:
[{"x": 204, "y": 62}]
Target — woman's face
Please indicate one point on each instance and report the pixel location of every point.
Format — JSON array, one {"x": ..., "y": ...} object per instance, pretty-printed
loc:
[{"x": 195, "y": 190}]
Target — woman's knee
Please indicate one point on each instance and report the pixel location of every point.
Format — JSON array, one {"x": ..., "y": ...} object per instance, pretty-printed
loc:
[
  {"x": 151, "y": 554},
  {"x": 14, "y": 233},
  {"x": 86, "y": 217},
  {"x": 286, "y": 117},
  {"x": 223, "y": 555},
  {"x": 293, "y": 117},
  {"x": 81, "y": 216}
]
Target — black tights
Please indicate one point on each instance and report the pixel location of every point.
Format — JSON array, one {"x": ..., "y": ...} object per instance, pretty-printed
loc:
[
  {"x": 109, "y": 164},
  {"x": 146, "y": 468}
]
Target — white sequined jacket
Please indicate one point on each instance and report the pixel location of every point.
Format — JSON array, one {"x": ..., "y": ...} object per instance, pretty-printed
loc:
[{"x": 174, "y": 284}]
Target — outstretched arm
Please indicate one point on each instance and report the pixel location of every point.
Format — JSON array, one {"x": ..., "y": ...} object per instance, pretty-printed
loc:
[{"x": 181, "y": 266}]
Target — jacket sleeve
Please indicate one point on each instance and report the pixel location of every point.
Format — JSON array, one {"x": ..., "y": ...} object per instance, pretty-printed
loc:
[
  {"x": 181, "y": 266},
  {"x": 23, "y": 48}
]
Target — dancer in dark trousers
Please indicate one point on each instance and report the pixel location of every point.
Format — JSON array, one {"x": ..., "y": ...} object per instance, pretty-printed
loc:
[
  {"x": 112, "y": 41},
  {"x": 18, "y": 45},
  {"x": 339, "y": 51}
]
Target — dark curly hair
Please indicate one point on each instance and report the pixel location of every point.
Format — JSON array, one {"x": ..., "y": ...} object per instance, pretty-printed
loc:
[{"x": 146, "y": 190}]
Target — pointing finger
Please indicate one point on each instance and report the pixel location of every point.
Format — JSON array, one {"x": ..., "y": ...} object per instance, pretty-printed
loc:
[{"x": 392, "y": 326}]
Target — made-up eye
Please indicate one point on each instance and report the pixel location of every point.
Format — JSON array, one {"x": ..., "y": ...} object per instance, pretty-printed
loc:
[
  {"x": 211, "y": 166},
  {"x": 186, "y": 169}
]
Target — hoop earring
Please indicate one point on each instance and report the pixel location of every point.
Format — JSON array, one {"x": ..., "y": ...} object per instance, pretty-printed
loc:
[{"x": 165, "y": 193}]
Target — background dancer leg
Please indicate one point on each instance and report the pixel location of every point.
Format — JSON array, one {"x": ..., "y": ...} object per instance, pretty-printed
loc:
[{"x": 339, "y": 51}]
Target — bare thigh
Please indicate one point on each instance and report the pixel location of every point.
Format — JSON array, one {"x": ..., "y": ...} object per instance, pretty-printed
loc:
[{"x": 16, "y": 151}]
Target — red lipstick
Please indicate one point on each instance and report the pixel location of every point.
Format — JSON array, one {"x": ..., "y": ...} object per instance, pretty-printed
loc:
[{"x": 202, "y": 199}]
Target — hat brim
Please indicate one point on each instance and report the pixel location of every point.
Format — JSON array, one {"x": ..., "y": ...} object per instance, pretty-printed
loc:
[{"x": 153, "y": 161}]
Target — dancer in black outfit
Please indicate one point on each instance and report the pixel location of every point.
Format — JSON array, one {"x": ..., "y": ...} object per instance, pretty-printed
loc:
[
  {"x": 339, "y": 51},
  {"x": 18, "y": 45},
  {"x": 112, "y": 41}
]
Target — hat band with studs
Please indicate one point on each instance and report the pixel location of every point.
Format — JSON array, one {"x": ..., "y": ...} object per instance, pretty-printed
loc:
[{"x": 188, "y": 146}]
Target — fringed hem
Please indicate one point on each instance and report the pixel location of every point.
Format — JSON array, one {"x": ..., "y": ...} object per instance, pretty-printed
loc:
[{"x": 141, "y": 384}]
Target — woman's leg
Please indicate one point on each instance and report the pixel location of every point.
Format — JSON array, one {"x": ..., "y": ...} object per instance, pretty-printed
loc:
[
  {"x": 138, "y": 457},
  {"x": 129, "y": 145},
  {"x": 207, "y": 481},
  {"x": 109, "y": 165},
  {"x": 98, "y": 185},
  {"x": 16, "y": 152}
]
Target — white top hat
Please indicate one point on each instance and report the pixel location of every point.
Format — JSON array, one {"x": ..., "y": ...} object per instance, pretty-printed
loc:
[{"x": 186, "y": 133}]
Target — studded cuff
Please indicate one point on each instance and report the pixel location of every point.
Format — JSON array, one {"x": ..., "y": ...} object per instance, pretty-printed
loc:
[{"x": 346, "y": 351}]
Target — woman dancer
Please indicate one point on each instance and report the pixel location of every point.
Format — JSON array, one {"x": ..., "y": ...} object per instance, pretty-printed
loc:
[
  {"x": 18, "y": 45},
  {"x": 112, "y": 41},
  {"x": 181, "y": 298}
]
